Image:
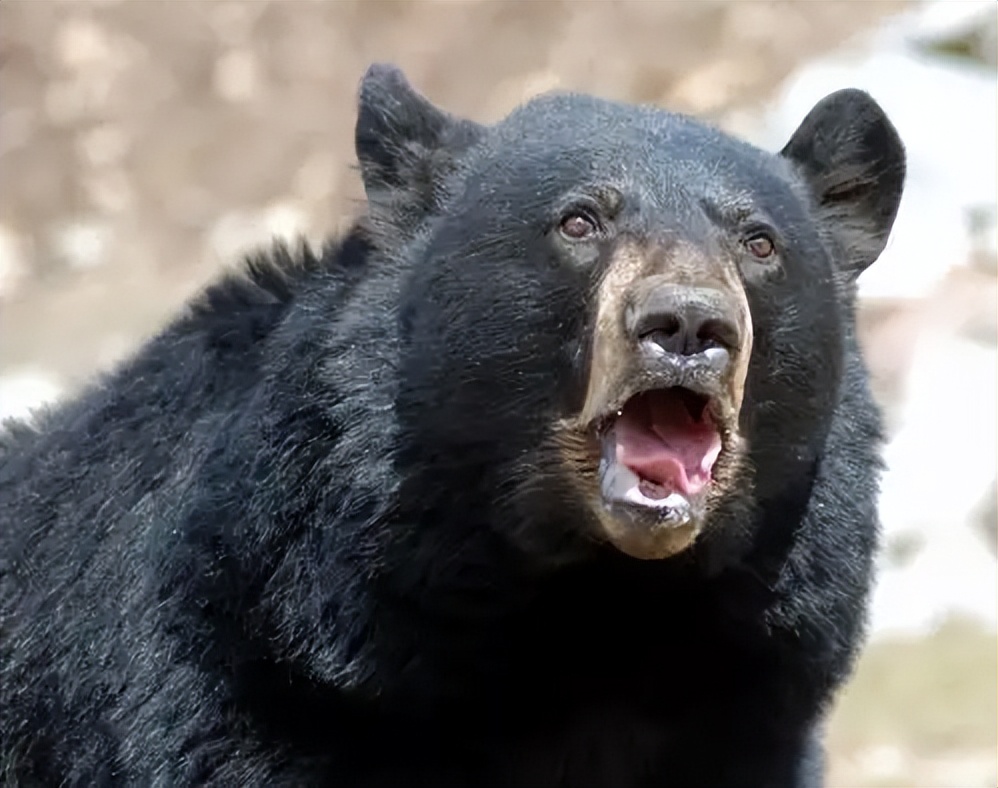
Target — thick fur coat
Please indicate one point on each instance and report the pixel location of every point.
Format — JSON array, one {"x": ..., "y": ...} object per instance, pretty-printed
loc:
[{"x": 322, "y": 530}]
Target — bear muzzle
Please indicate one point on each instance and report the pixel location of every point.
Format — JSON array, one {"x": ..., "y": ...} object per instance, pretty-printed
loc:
[{"x": 665, "y": 416}]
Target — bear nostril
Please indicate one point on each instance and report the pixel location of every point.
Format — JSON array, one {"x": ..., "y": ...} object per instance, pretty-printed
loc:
[
  {"x": 664, "y": 327},
  {"x": 717, "y": 332},
  {"x": 683, "y": 321},
  {"x": 667, "y": 330}
]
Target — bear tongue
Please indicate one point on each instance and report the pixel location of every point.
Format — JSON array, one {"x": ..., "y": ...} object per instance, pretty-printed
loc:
[{"x": 658, "y": 439}]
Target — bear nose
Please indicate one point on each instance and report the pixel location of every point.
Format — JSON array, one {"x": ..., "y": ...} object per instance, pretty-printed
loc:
[{"x": 684, "y": 320}]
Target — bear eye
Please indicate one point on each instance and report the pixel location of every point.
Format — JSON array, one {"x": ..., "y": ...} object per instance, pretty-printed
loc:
[
  {"x": 578, "y": 227},
  {"x": 760, "y": 246}
]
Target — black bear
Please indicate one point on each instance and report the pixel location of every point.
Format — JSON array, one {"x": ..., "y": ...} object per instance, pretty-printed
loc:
[{"x": 559, "y": 469}]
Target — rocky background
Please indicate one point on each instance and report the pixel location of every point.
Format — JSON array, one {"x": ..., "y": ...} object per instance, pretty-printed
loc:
[{"x": 145, "y": 144}]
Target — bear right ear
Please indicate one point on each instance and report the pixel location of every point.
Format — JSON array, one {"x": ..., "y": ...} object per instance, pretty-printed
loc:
[
  {"x": 854, "y": 163},
  {"x": 406, "y": 147}
]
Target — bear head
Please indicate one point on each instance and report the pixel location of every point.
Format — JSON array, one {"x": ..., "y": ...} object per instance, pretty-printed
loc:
[{"x": 619, "y": 327}]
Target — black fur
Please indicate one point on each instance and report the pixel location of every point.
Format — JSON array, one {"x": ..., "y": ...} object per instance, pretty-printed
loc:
[{"x": 314, "y": 533}]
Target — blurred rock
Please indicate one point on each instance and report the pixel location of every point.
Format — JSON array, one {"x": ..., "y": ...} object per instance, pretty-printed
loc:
[
  {"x": 81, "y": 244},
  {"x": 966, "y": 31},
  {"x": 24, "y": 391},
  {"x": 144, "y": 144},
  {"x": 13, "y": 263},
  {"x": 986, "y": 518}
]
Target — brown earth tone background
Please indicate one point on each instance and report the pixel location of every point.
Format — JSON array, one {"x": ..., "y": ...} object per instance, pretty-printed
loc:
[{"x": 145, "y": 144}]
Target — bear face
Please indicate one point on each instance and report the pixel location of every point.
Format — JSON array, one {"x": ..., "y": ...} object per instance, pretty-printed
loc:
[{"x": 643, "y": 317}]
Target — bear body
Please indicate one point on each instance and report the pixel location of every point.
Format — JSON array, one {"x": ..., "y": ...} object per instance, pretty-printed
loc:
[{"x": 559, "y": 469}]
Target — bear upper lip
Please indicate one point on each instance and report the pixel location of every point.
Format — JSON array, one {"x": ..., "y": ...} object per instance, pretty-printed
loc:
[{"x": 701, "y": 374}]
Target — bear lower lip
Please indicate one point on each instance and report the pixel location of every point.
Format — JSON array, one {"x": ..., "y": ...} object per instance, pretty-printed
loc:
[{"x": 624, "y": 490}]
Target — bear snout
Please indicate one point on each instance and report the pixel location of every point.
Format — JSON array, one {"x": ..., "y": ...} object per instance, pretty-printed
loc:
[{"x": 683, "y": 321}]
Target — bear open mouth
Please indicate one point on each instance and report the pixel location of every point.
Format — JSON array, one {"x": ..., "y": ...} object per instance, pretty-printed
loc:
[{"x": 659, "y": 450}]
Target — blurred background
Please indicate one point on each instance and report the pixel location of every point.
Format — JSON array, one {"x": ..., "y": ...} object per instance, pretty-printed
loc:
[{"x": 145, "y": 144}]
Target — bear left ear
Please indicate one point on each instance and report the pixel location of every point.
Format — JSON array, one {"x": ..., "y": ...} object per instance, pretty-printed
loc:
[
  {"x": 405, "y": 146},
  {"x": 854, "y": 162}
]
